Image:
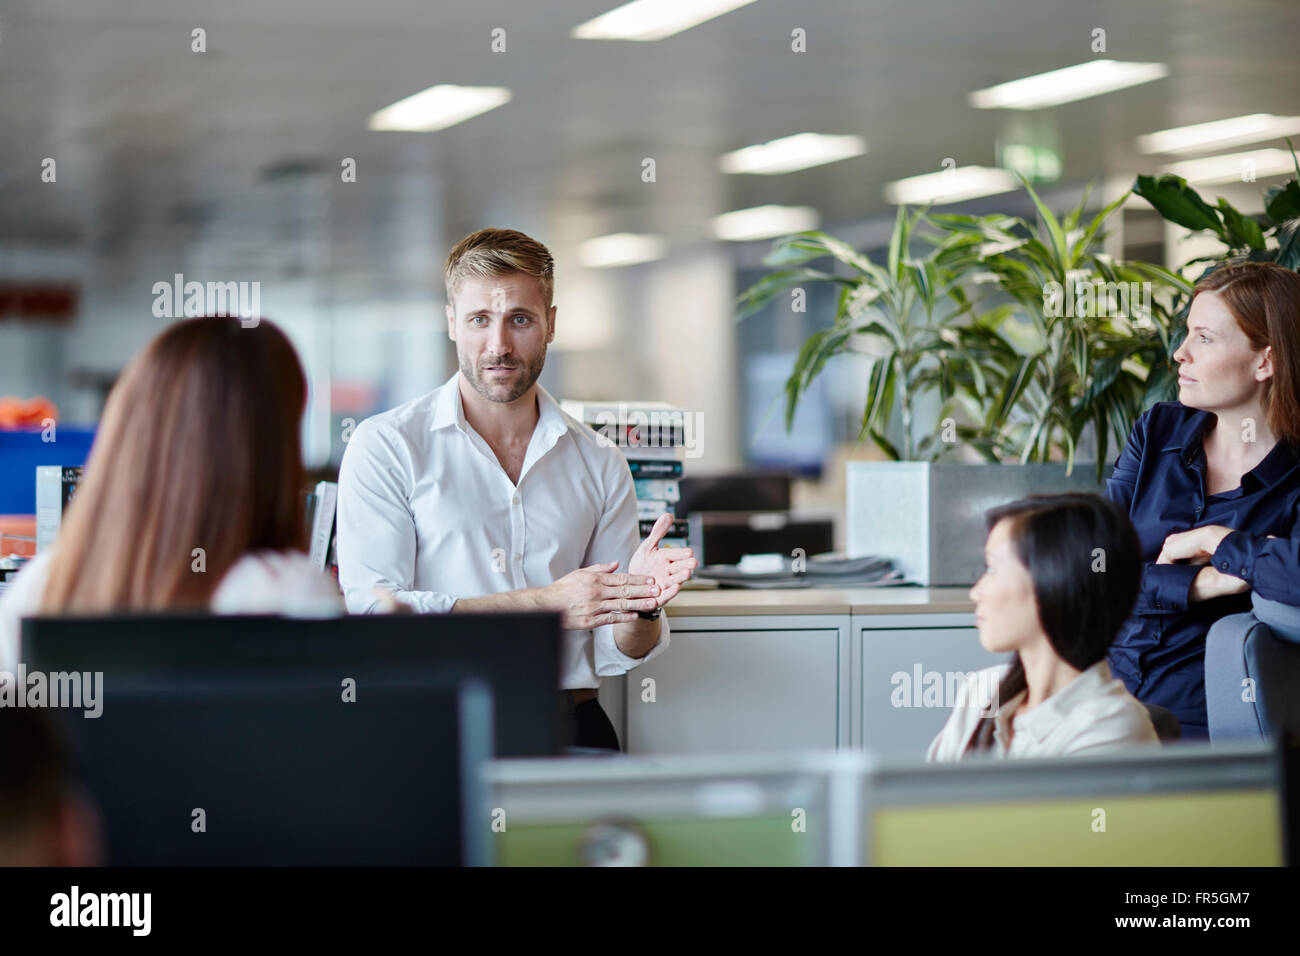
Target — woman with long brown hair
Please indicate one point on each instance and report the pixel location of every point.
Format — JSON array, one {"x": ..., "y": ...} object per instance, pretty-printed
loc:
[
  {"x": 190, "y": 498},
  {"x": 1212, "y": 484}
]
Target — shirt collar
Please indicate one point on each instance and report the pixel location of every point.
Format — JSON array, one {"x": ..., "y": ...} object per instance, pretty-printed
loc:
[
  {"x": 1187, "y": 436},
  {"x": 450, "y": 410},
  {"x": 1277, "y": 464},
  {"x": 1044, "y": 718}
]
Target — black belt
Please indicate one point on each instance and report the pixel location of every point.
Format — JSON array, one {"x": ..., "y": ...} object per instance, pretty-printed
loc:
[{"x": 570, "y": 699}]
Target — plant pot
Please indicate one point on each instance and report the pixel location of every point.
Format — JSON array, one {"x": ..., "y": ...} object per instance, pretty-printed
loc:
[{"x": 929, "y": 518}]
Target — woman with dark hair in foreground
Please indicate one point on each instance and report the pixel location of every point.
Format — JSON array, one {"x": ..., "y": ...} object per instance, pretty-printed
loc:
[{"x": 1061, "y": 576}]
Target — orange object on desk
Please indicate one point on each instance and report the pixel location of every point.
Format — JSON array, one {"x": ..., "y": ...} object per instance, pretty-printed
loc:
[{"x": 26, "y": 412}]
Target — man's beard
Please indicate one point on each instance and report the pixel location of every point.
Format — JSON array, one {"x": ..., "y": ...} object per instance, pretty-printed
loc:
[{"x": 531, "y": 371}]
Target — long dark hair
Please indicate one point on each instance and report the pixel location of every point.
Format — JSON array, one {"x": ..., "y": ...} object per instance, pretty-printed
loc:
[
  {"x": 1085, "y": 559},
  {"x": 198, "y": 448}
]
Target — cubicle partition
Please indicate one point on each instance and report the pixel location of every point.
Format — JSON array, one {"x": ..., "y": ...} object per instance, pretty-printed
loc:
[
  {"x": 674, "y": 811},
  {"x": 1188, "y": 805}
]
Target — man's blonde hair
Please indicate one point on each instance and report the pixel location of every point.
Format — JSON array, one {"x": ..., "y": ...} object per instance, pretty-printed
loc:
[{"x": 496, "y": 252}]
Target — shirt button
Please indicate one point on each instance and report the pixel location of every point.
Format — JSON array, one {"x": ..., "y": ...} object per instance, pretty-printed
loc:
[
  {"x": 1243, "y": 572},
  {"x": 1224, "y": 566},
  {"x": 518, "y": 556},
  {"x": 515, "y": 500}
]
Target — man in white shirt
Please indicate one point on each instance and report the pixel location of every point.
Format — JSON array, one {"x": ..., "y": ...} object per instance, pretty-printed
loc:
[{"x": 483, "y": 495}]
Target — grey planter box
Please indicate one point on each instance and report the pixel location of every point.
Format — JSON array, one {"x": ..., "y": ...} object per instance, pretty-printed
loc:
[{"x": 930, "y": 517}]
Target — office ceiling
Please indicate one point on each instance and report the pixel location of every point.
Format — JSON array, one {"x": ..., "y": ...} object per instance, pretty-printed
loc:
[{"x": 237, "y": 150}]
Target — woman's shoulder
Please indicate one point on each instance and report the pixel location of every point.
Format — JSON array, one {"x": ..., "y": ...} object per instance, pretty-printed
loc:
[
  {"x": 1167, "y": 415},
  {"x": 276, "y": 582},
  {"x": 1110, "y": 717}
]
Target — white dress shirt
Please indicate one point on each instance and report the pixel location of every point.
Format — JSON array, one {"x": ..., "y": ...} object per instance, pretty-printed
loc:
[
  {"x": 264, "y": 582},
  {"x": 1094, "y": 713},
  {"x": 426, "y": 511}
]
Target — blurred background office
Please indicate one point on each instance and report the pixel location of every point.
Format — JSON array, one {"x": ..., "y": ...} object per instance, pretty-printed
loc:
[{"x": 250, "y": 141}]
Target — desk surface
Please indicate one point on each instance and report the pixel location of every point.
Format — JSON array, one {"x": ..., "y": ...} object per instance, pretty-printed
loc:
[{"x": 726, "y": 602}]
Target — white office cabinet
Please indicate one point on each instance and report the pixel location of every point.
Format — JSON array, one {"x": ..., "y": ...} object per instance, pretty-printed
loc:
[
  {"x": 906, "y": 672},
  {"x": 743, "y": 684}
]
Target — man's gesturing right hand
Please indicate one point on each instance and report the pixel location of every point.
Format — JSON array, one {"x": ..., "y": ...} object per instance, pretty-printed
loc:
[{"x": 594, "y": 596}]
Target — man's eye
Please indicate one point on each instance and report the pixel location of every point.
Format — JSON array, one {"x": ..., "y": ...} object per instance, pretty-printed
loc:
[{"x": 521, "y": 319}]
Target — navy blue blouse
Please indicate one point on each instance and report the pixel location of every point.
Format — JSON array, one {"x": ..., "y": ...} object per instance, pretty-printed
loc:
[{"x": 1160, "y": 478}]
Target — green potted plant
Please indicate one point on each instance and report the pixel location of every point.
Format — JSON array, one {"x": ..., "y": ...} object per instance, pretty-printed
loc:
[
  {"x": 1273, "y": 236},
  {"x": 1090, "y": 335},
  {"x": 968, "y": 319},
  {"x": 896, "y": 313}
]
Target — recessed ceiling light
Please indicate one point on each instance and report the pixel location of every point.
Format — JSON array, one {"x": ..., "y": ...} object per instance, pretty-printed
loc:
[
  {"x": 439, "y": 107},
  {"x": 950, "y": 185},
  {"x": 1220, "y": 133},
  {"x": 621, "y": 249},
  {"x": 653, "y": 19},
  {"x": 764, "y": 222},
  {"x": 1078, "y": 82},
  {"x": 1258, "y": 163},
  {"x": 791, "y": 153}
]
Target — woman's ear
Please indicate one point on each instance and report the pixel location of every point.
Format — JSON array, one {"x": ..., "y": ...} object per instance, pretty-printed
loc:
[{"x": 1264, "y": 370}]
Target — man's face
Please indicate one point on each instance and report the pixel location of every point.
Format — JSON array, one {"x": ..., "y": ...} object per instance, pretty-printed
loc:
[{"x": 501, "y": 327}]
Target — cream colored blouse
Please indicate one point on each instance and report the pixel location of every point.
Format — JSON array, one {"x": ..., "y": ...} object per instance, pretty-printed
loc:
[{"x": 1092, "y": 714}]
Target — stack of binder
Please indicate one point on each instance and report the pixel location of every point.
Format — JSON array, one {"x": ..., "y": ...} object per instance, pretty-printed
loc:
[{"x": 652, "y": 436}]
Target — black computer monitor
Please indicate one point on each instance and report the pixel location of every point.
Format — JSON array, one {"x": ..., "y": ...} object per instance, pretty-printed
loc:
[
  {"x": 276, "y": 770},
  {"x": 734, "y": 491},
  {"x": 516, "y": 655}
]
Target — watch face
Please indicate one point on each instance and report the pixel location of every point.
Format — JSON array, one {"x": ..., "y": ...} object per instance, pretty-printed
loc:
[{"x": 614, "y": 843}]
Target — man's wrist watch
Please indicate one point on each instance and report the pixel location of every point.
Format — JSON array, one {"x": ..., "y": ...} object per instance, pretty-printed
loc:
[{"x": 650, "y": 615}]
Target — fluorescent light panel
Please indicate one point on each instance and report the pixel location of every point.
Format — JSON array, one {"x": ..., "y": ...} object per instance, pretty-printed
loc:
[
  {"x": 1078, "y": 82},
  {"x": 790, "y": 153},
  {"x": 764, "y": 222},
  {"x": 439, "y": 107},
  {"x": 621, "y": 249},
  {"x": 1220, "y": 134},
  {"x": 653, "y": 19},
  {"x": 950, "y": 185},
  {"x": 1230, "y": 166}
]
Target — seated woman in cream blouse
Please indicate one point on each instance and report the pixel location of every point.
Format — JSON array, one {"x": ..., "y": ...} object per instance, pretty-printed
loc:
[
  {"x": 1062, "y": 574},
  {"x": 191, "y": 496}
]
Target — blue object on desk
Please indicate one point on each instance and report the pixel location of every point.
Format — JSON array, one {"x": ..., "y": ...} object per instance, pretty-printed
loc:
[{"x": 22, "y": 451}]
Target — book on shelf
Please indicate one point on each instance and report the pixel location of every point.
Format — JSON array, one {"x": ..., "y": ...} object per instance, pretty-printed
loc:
[
  {"x": 652, "y": 468},
  {"x": 652, "y": 508},
  {"x": 658, "y": 489},
  {"x": 612, "y": 411},
  {"x": 679, "y": 528},
  {"x": 633, "y": 426}
]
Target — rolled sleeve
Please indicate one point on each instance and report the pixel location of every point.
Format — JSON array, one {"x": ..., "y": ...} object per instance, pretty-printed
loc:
[
  {"x": 611, "y": 662},
  {"x": 615, "y": 539}
]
